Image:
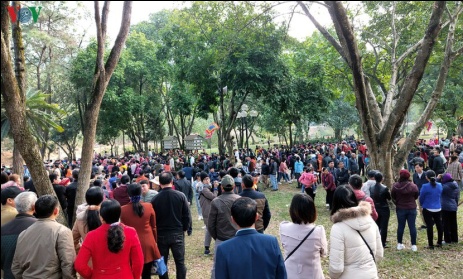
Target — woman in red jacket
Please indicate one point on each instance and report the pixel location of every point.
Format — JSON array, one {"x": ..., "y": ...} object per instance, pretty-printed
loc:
[
  {"x": 141, "y": 216},
  {"x": 113, "y": 247},
  {"x": 329, "y": 185}
]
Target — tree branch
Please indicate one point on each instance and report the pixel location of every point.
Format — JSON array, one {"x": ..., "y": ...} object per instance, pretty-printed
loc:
[{"x": 395, "y": 120}]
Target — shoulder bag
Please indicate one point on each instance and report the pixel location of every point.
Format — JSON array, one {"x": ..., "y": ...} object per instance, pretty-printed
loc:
[
  {"x": 297, "y": 247},
  {"x": 371, "y": 252}
]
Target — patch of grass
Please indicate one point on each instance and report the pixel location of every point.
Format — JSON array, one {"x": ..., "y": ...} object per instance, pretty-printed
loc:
[{"x": 439, "y": 263}]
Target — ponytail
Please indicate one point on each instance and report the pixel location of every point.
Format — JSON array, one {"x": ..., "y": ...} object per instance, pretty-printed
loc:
[
  {"x": 115, "y": 237},
  {"x": 431, "y": 175},
  {"x": 137, "y": 206}
]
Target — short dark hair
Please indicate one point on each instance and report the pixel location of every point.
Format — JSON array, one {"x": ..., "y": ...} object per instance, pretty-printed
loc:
[
  {"x": 165, "y": 178},
  {"x": 371, "y": 173},
  {"x": 125, "y": 179},
  {"x": 181, "y": 174},
  {"x": 45, "y": 205},
  {"x": 343, "y": 197},
  {"x": 52, "y": 177},
  {"x": 244, "y": 212},
  {"x": 203, "y": 175},
  {"x": 75, "y": 174},
  {"x": 355, "y": 181},
  {"x": 302, "y": 209},
  {"x": 233, "y": 172},
  {"x": 378, "y": 177},
  {"x": 247, "y": 181}
]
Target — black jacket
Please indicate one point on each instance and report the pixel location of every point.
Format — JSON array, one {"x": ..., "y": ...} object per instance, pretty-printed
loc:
[
  {"x": 342, "y": 176},
  {"x": 419, "y": 181},
  {"x": 70, "y": 193},
  {"x": 172, "y": 212},
  {"x": 60, "y": 194},
  {"x": 438, "y": 165},
  {"x": 184, "y": 186},
  {"x": 382, "y": 197},
  {"x": 265, "y": 169}
]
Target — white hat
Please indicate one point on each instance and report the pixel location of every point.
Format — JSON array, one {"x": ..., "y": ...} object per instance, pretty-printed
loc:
[{"x": 155, "y": 180}]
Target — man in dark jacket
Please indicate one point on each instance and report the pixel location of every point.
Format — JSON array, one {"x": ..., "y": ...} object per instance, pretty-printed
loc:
[
  {"x": 70, "y": 194},
  {"x": 184, "y": 186},
  {"x": 24, "y": 204},
  {"x": 173, "y": 218},
  {"x": 59, "y": 190},
  {"x": 342, "y": 174},
  {"x": 219, "y": 224},
  {"x": 262, "y": 204},
  {"x": 419, "y": 178},
  {"x": 438, "y": 163}
]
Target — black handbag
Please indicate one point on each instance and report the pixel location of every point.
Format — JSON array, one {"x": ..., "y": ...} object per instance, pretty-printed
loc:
[{"x": 297, "y": 247}]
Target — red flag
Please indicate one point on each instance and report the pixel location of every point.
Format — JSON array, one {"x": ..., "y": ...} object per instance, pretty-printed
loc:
[{"x": 428, "y": 125}]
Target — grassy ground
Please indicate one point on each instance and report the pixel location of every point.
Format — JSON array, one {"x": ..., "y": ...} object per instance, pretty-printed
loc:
[{"x": 439, "y": 263}]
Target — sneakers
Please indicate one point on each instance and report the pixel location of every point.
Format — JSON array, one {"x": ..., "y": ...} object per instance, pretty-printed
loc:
[
  {"x": 207, "y": 252},
  {"x": 203, "y": 227},
  {"x": 414, "y": 248},
  {"x": 400, "y": 246},
  {"x": 200, "y": 217}
]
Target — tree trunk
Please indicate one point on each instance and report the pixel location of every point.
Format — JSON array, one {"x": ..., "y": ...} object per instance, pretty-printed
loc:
[
  {"x": 18, "y": 164},
  {"x": 15, "y": 109},
  {"x": 103, "y": 73}
]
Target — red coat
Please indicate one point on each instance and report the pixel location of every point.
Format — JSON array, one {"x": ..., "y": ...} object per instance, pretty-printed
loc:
[
  {"x": 328, "y": 182},
  {"x": 145, "y": 227},
  {"x": 127, "y": 263}
]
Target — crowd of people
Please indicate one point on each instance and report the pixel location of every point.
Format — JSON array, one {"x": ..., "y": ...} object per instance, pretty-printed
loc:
[{"x": 137, "y": 210}]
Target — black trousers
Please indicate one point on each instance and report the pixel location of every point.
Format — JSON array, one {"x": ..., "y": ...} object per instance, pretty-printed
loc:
[
  {"x": 296, "y": 176},
  {"x": 146, "y": 274},
  {"x": 383, "y": 222},
  {"x": 176, "y": 243},
  {"x": 329, "y": 197},
  {"x": 450, "y": 226},
  {"x": 309, "y": 191},
  {"x": 432, "y": 218}
]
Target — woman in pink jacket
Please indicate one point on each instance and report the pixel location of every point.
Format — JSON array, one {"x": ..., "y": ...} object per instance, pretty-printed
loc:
[{"x": 309, "y": 181}]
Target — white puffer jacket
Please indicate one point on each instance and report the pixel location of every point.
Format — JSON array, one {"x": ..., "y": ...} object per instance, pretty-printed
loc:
[{"x": 349, "y": 255}]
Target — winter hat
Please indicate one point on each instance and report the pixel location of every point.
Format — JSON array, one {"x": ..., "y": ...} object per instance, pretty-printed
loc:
[
  {"x": 405, "y": 174},
  {"x": 447, "y": 178}
]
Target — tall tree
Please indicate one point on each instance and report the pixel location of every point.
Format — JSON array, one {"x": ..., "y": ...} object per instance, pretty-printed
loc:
[
  {"x": 101, "y": 78},
  {"x": 381, "y": 122},
  {"x": 13, "y": 92}
]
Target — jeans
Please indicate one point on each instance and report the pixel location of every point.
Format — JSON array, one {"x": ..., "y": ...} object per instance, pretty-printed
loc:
[
  {"x": 432, "y": 218},
  {"x": 409, "y": 216},
  {"x": 176, "y": 243},
  {"x": 383, "y": 222},
  {"x": 273, "y": 180},
  {"x": 198, "y": 205},
  {"x": 283, "y": 175}
]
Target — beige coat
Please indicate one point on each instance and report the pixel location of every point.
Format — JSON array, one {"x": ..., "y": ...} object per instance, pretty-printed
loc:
[
  {"x": 44, "y": 250},
  {"x": 305, "y": 263},
  {"x": 349, "y": 255}
]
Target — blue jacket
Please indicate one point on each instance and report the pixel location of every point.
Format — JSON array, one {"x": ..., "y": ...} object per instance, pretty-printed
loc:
[
  {"x": 249, "y": 255},
  {"x": 450, "y": 196},
  {"x": 298, "y": 167},
  {"x": 430, "y": 196}
]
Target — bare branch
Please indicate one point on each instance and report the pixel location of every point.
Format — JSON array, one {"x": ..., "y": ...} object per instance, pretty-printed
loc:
[{"x": 323, "y": 31}]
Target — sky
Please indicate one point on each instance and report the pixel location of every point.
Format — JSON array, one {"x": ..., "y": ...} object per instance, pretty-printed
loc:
[{"x": 300, "y": 27}]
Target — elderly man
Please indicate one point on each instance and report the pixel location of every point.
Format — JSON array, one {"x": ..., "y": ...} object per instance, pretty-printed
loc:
[
  {"x": 24, "y": 204},
  {"x": 45, "y": 249}
]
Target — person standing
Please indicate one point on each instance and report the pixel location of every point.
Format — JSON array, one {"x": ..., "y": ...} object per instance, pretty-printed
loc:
[
  {"x": 298, "y": 169},
  {"x": 184, "y": 185},
  {"x": 355, "y": 181},
  {"x": 219, "y": 224},
  {"x": 329, "y": 185},
  {"x": 404, "y": 194},
  {"x": 455, "y": 170},
  {"x": 381, "y": 195},
  {"x": 449, "y": 200},
  {"x": 430, "y": 199},
  {"x": 24, "y": 204},
  {"x": 70, "y": 193},
  {"x": 355, "y": 242},
  {"x": 9, "y": 211},
  {"x": 205, "y": 199},
  {"x": 54, "y": 257},
  {"x": 173, "y": 219},
  {"x": 249, "y": 254},
  {"x": 262, "y": 204},
  {"x": 303, "y": 255},
  {"x": 114, "y": 248},
  {"x": 273, "y": 173},
  {"x": 120, "y": 193},
  {"x": 419, "y": 178},
  {"x": 141, "y": 217}
]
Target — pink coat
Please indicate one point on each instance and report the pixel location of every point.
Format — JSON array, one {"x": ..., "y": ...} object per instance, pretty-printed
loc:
[{"x": 308, "y": 179}]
